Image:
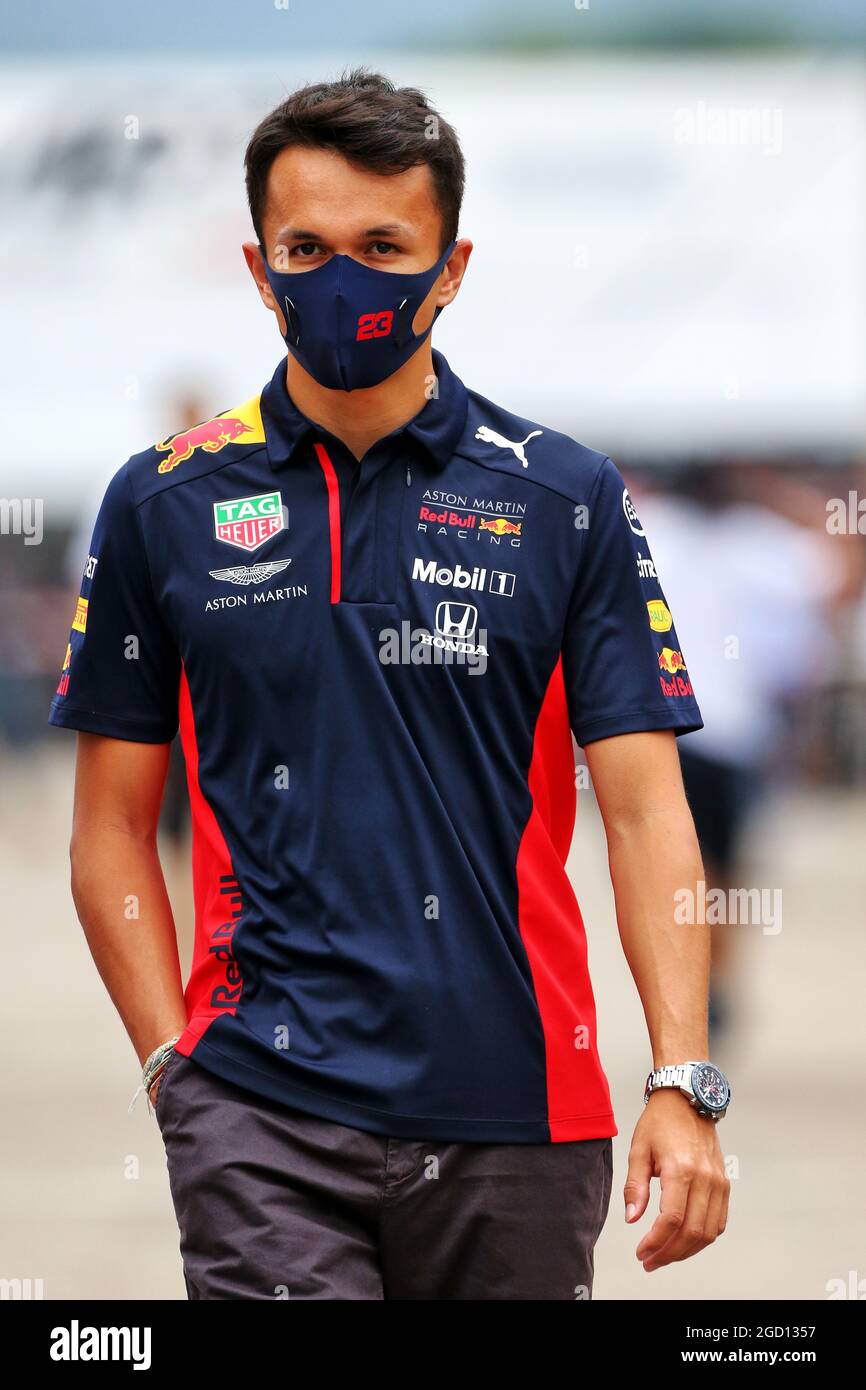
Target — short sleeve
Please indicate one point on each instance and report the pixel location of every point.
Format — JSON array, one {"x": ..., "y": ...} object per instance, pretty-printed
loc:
[
  {"x": 624, "y": 669},
  {"x": 121, "y": 669}
]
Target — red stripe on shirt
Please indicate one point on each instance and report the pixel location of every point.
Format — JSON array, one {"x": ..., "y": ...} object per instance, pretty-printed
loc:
[
  {"x": 551, "y": 926},
  {"x": 333, "y": 518},
  {"x": 214, "y": 984}
]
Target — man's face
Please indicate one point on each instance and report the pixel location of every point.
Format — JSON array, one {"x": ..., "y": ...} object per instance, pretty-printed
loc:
[{"x": 319, "y": 205}]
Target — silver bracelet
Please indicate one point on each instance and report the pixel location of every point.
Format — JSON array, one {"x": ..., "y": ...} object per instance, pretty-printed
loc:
[
  {"x": 156, "y": 1061},
  {"x": 153, "y": 1066}
]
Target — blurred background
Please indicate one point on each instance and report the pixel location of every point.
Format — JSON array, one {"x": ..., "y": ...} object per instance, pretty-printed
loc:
[{"x": 667, "y": 203}]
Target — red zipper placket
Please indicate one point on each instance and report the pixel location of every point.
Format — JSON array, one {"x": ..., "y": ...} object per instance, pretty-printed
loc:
[{"x": 333, "y": 519}]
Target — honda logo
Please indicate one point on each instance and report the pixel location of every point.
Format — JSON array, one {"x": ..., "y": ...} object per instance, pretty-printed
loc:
[{"x": 456, "y": 620}]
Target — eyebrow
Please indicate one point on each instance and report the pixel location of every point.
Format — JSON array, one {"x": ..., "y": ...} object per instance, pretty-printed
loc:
[
  {"x": 304, "y": 234},
  {"x": 388, "y": 229}
]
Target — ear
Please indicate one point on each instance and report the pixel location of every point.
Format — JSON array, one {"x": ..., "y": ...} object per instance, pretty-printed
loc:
[
  {"x": 256, "y": 265},
  {"x": 453, "y": 272}
]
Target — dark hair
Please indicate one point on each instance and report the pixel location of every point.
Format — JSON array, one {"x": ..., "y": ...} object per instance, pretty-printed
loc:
[{"x": 369, "y": 121}]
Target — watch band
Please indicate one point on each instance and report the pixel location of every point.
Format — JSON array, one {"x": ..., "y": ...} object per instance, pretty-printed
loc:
[{"x": 676, "y": 1075}]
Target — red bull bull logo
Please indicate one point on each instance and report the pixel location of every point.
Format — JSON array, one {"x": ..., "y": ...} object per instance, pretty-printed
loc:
[
  {"x": 211, "y": 436},
  {"x": 500, "y": 526},
  {"x": 672, "y": 662}
]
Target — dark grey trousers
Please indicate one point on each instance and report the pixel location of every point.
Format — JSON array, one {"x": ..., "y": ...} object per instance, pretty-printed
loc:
[{"x": 275, "y": 1203}]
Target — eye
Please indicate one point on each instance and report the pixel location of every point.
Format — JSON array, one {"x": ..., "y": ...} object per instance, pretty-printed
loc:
[
  {"x": 306, "y": 249},
  {"x": 383, "y": 248}
]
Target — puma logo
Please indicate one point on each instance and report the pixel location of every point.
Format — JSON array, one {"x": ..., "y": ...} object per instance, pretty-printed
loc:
[{"x": 490, "y": 436}]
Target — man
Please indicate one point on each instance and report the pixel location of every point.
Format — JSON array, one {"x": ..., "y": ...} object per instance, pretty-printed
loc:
[{"x": 375, "y": 601}]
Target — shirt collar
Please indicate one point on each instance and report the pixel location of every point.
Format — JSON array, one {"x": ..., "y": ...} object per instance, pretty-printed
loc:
[{"x": 436, "y": 428}]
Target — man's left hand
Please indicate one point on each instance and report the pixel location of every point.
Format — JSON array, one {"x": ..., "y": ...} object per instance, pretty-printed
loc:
[{"x": 675, "y": 1144}]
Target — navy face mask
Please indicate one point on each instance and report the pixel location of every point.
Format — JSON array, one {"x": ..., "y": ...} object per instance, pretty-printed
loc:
[{"x": 350, "y": 325}]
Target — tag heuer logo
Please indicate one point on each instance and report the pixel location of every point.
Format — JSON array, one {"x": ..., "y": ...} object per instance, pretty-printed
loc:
[{"x": 248, "y": 522}]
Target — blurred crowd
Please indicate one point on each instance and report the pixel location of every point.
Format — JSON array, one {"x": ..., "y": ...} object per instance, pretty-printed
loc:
[{"x": 769, "y": 602}]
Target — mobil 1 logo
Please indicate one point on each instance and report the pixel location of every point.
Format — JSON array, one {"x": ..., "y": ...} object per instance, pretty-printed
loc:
[{"x": 478, "y": 579}]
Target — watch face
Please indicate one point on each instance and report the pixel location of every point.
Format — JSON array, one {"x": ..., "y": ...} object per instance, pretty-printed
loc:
[{"x": 710, "y": 1086}]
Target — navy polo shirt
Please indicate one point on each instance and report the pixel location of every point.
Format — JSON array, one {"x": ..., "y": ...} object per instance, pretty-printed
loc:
[{"x": 376, "y": 669}]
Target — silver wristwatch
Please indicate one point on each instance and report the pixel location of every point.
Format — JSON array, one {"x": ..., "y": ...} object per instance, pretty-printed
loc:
[{"x": 703, "y": 1085}]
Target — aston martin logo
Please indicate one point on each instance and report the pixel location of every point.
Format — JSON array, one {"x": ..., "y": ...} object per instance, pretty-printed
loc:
[{"x": 250, "y": 574}]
